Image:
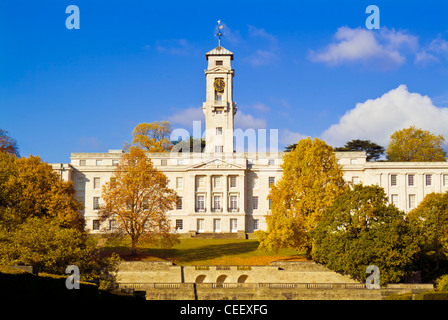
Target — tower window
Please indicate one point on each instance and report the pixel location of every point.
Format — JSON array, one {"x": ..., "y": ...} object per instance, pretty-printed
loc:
[
  {"x": 218, "y": 96},
  {"x": 219, "y": 131},
  {"x": 219, "y": 62},
  {"x": 218, "y": 149}
]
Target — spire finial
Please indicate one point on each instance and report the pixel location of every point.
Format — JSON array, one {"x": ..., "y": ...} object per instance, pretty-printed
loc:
[{"x": 219, "y": 34}]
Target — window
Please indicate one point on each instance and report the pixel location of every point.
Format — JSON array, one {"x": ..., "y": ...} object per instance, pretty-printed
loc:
[
  {"x": 269, "y": 203},
  {"x": 411, "y": 201},
  {"x": 179, "y": 203},
  {"x": 256, "y": 224},
  {"x": 233, "y": 203},
  {"x": 96, "y": 225},
  {"x": 445, "y": 180},
  {"x": 355, "y": 180},
  {"x": 219, "y": 149},
  {"x": 99, "y": 162},
  {"x": 219, "y": 62},
  {"x": 394, "y": 199},
  {"x": 96, "y": 203},
  {"x": 216, "y": 203},
  {"x": 115, "y": 162},
  {"x": 232, "y": 181},
  {"x": 218, "y": 96},
  {"x": 216, "y": 225},
  {"x": 112, "y": 224},
  {"x": 271, "y": 162},
  {"x": 96, "y": 183},
  {"x": 200, "y": 225},
  {"x": 82, "y": 162},
  {"x": 393, "y": 180},
  {"x": 163, "y": 162},
  {"x": 411, "y": 180},
  {"x": 255, "y": 203},
  {"x": 179, "y": 224},
  {"x": 353, "y": 161},
  {"x": 200, "y": 182},
  {"x": 179, "y": 183},
  {"x": 219, "y": 131},
  {"x": 218, "y": 111},
  {"x": 216, "y": 182},
  {"x": 201, "y": 203},
  {"x": 271, "y": 181},
  {"x": 428, "y": 179},
  {"x": 233, "y": 225}
]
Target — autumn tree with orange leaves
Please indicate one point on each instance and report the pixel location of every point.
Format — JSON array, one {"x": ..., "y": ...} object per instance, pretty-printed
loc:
[
  {"x": 153, "y": 137},
  {"x": 136, "y": 201},
  {"x": 311, "y": 180}
]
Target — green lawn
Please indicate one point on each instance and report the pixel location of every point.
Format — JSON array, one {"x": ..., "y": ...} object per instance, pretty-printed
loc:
[{"x": 205, "y": 251}]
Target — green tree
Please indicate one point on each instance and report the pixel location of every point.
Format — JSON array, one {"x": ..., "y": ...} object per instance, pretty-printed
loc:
[
  {"x": 430, "y": 219},
  {"x": 373, "y": 150},
  {"x": 42, "y": 242},
  {"x": 190, "y": 145},
  {"x": 137, "y": 199},
  {"x": 360, "y": 229},
  {"x": 31, "y": 188},
  {"x": 311, "y": 180},
  {"x": 413, "y": 144}
]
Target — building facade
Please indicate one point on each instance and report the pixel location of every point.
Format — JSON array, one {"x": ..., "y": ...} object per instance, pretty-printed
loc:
[{"x": 223, "y": 191}]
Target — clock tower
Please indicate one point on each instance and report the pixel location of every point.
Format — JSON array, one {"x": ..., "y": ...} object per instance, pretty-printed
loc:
[{"x": 219, "y": 108}]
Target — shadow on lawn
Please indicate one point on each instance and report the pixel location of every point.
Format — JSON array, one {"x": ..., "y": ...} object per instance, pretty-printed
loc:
[{"x": 189, "y": 255}]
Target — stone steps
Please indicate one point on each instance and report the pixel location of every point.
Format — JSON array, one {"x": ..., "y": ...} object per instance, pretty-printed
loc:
[{"x": 217, "y": 236}]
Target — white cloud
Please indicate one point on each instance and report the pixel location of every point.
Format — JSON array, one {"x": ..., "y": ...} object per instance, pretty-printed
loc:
[
  {"x": 187, "y": 116},
  {"x": 436, "y": 49},
  {"x": 377, "y": 119},
  {"x": 384, "y": 48},
  {"x": 268, "y": 53},
  {"x": 247, "y": 121},
  {"x": 261, "y": 107},
  {"x": 174, "y": 46},
  {"x": 261, "y": 33},
  {"x": 288, "y": 137}
]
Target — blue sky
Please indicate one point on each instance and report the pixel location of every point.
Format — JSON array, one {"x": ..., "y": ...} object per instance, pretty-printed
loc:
[{"x": 304, "y": 68}]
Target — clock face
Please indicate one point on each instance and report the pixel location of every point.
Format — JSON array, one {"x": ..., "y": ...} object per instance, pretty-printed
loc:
[{"x": 219, "y": 84}]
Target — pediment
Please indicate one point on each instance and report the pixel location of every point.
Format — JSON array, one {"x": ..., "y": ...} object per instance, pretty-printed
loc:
[
  {"x": 216, "y": 164},
  {"x": 218, "y": 69}
]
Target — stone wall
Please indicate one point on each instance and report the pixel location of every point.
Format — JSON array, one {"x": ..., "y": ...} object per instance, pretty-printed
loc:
[
  {"x": 284, "y": 272},
  {"x": 273, "y": 291},
  {"x": 302, "y": 280}
]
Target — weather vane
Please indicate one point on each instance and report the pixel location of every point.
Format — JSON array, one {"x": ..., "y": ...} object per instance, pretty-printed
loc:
[{"x": 219, "y": 34}]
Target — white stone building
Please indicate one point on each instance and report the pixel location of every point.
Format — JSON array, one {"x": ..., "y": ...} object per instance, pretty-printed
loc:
[{"x": 223, "y": 191}]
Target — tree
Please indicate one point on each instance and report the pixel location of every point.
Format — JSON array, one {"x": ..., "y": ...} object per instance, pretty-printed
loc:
[
  {"x": 290, "y": 147},
  {"x": 153, "y": 137},
  {"x": 413, "y": 144},
  {"x": 137, "y": 198},
  {"x": 8, "y": 144},
  {"x": 31, "y": 188},
  {"x": 311, "y": 180},
  {"x": 372, "y": 150},
  {"x": 42, "y": 242},
  {"x": 430, "y": 219},
  {"x": 190, "y": 145},
  {"x": 362, "y": 228}
]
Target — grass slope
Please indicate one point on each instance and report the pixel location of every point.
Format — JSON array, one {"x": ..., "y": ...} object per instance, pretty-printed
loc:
[{"x": 206, "y": 252}]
